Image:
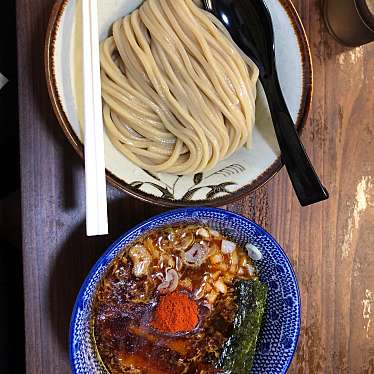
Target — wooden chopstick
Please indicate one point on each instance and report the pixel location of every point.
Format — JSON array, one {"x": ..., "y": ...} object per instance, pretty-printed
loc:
[{"x": 96, "y": 202}]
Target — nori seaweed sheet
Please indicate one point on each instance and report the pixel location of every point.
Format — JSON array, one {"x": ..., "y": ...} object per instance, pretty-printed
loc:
[{"x": 240, "y": 348}]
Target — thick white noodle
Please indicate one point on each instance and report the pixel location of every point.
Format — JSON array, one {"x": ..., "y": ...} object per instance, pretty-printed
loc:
[{"x": 178, "y": 94}]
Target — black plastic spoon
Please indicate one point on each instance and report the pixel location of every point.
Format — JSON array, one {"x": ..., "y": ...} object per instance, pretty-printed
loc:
[{"x": 249, "y": 24}]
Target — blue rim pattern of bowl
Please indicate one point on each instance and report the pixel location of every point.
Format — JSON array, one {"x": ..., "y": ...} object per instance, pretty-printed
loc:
[{"x": 281, "y": 325}]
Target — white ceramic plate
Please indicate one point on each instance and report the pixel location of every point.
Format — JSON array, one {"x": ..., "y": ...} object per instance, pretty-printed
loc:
[{"x": 241, "y": 173}]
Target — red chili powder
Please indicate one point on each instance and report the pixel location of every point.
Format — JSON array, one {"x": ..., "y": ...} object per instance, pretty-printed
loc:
[{"x": 175, "y": 312}]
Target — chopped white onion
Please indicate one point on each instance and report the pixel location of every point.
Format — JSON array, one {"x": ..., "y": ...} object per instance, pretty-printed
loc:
[
  {"x": 141, "y": 260},
  {"x": 212, "y": 296},
  {"x": 253, "y": 252},
  {"x": 203, "y": 233},
  {"x": 227, "y": 247},
  {"x": 220, "y": 286}
]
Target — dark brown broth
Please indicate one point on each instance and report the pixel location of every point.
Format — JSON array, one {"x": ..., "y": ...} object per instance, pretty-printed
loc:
[{"x": 123, "y": 309}]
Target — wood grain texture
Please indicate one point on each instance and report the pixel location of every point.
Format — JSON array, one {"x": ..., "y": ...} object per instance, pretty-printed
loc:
[{"x": 330, "y": 244}]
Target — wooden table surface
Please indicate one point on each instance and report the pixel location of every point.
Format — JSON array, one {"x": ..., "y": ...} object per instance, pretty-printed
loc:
[{"x": 331, "y": 245}]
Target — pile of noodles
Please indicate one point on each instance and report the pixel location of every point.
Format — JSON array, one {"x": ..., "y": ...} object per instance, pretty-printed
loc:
[{"x": 178, "y": 94}]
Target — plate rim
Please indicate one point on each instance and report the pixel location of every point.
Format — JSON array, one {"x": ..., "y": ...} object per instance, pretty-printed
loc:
[
  {"x": 189, "y": 211},
  {"x": 306, "y": 102}
]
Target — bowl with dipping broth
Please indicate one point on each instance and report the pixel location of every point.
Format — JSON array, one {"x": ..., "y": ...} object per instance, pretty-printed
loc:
[{"x": 121, "y": 318}]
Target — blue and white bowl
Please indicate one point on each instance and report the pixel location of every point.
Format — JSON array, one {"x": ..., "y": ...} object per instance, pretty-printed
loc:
[{"x": 281, "y": 326}]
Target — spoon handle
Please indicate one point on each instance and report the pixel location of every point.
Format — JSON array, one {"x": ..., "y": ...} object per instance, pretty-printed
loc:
[{"x": 305, "y": 181}]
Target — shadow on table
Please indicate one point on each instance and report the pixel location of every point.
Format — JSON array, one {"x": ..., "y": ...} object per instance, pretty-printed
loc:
[{"x": 79, "y": 253}]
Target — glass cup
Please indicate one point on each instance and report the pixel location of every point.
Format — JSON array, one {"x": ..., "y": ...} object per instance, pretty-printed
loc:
[{"x": 351, "y": 22}]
